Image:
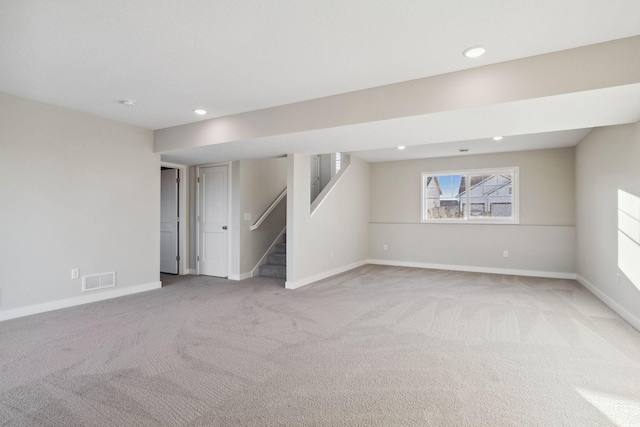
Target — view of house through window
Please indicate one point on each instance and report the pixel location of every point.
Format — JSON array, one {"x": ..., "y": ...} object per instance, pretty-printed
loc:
[{"x": 470, "y": 196}]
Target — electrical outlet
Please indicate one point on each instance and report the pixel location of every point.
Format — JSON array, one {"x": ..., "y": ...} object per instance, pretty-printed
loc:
[
  {"x": 75, "y": 273},
  {"x": 505, "y": 254},
  {"x": 331, "y": 254},
  {"x": 385, "y": 247},
  {"x": 247, "y": 216}
]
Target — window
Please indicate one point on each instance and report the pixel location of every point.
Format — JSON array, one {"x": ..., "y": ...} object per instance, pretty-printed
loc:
[{"x": 480, "y": 196}]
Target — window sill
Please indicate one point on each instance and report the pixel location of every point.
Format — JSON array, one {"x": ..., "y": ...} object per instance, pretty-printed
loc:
[{"x": 471, "y": 221}]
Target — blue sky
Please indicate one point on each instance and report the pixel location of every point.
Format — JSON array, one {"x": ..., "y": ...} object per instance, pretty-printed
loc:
[{"x": 449, "y": 184}]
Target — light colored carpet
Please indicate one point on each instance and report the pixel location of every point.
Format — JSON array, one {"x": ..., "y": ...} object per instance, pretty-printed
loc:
[{"x": 377, "y": 346}]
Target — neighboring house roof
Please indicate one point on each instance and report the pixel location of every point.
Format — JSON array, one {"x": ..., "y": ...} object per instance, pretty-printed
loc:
[
  {"x": 478, "y": 180},
  {"x": 475, "y": 180},
  {"x": 435, "y": 179}
]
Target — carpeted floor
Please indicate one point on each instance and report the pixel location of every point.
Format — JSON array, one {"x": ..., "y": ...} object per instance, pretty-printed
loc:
[{"x": 377, "y": 346}]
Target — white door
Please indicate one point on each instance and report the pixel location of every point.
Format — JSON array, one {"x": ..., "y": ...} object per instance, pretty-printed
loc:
[
  {"x": 169, "y": 221},
  {"x": 212, "y": 221}
]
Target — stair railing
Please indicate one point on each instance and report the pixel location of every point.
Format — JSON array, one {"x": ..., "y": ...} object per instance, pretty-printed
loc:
[{"x": 269, "y": 210}]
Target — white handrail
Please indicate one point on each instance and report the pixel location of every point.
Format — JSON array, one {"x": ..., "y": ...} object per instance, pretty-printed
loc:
[{"x": 269, "y": 210}]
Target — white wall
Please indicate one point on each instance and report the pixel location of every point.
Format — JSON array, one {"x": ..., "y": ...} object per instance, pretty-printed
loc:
[
  {"x": 543, "y": 243},
  {"x": 607, "y": 160},
  {"x": 338, "y": 226},
  {"x": 77, "y": 191}
]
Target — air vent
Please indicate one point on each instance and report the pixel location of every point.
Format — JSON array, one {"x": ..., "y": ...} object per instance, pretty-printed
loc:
[{"x": 98, "y": 281}]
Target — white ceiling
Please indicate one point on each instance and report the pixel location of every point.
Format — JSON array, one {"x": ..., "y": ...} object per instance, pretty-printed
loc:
[
  {"x": 268, "y": 148},
  {"x": 243, "y": 55},
  {"x": 538, "y": 141},
  {"x": 559, "y": 121}
]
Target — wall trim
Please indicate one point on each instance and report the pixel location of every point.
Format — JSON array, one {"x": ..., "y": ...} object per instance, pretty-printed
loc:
[
  {"x": 622, "y": 312},
  {"x": 70, "y": 302},
  {"x": 475, "y": 269},
  {"x": 240, "y": 276},
  {"x": 192, "y": 271},
  {"x": 323, "y": 275}
]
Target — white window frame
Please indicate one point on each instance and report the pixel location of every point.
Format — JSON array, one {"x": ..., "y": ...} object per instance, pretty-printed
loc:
[
  {"x": 337, "y": 163},
  {"x": 515, "y": 209}
]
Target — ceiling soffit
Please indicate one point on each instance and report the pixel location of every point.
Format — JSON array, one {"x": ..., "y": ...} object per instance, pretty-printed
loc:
[{"x": 591, "y": 68}]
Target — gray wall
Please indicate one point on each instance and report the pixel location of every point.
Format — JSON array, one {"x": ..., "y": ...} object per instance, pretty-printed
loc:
[
  {"x": 544, "y": 241},
  {"x": 77, "y": 192},
  {"x": 607, "y": 160},
  {"x": 261, "y": 182},
  {"x": 325, "y": 170}
]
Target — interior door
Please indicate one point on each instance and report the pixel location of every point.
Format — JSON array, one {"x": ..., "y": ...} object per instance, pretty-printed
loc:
[
  {"x": 213, "y": 221},
  {"x": 169, "y": 222}
]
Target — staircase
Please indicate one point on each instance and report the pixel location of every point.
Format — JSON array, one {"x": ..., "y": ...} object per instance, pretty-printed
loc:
[{"x": 276, "y": 261}]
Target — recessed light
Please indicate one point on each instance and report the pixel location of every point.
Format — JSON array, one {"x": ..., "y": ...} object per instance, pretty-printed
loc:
[
  {"x": 200, "y": 111},
  {"x": 401, "y": 147},
  {"x": 497, "y": 138},
  {"x": 474, "y": 52},
  {"x": 128, "y": 102},
  {"x": 463, "y": 150}
]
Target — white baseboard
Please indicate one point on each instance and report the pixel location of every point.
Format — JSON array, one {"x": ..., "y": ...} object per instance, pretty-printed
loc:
[
  {"x": 70, "y": 302},
  {"x": 192, "y": 271},
  {"x": 324, "y": 275},
  {"x": 633, "y": 320},
  {"x": 240, "y": 276},
  {"x": 474, "y": 269}
]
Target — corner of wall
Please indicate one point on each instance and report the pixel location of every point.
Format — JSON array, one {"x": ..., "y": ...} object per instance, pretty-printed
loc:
[
  {"x": 335, "y": 238},
  {"x": 607, "y": 162}
]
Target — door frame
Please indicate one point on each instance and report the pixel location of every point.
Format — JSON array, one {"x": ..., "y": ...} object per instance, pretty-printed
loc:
[
  {"x": 230, "y": 221},
  {"x": 183, "y": 224}
]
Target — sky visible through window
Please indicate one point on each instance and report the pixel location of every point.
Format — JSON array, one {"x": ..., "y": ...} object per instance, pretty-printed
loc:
[{"x": 450, "y": 185}]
